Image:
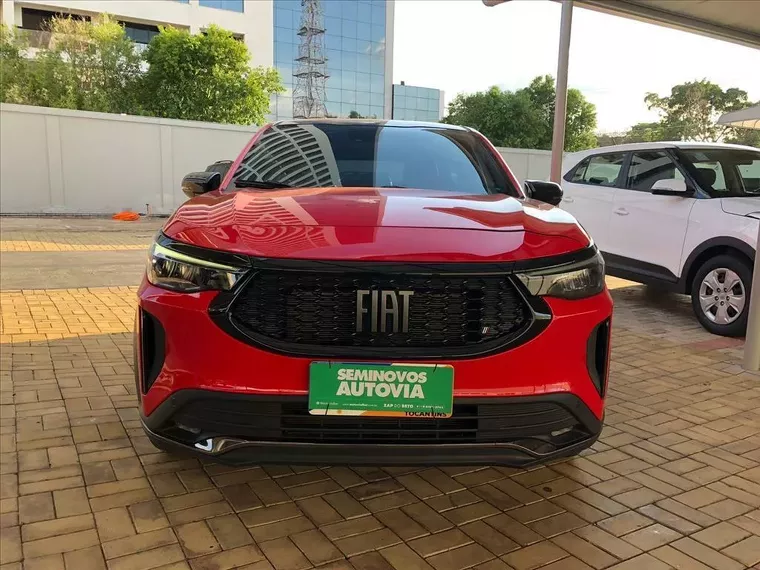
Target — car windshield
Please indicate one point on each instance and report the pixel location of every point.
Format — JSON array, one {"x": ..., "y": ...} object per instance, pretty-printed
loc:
[
  {"x": 361, "y": 154},
  {"x": 725, "y": 172}
]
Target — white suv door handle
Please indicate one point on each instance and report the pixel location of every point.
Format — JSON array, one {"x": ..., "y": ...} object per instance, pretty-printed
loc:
[
  {"x": 569, "y": 199},
  {"x": 621, "y": 211}
]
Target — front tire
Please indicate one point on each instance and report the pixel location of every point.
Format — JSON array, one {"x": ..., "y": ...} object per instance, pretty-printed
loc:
[{"x": 720, "y": 294}]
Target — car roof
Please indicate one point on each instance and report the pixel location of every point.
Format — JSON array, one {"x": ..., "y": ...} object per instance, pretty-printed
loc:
[
  {"x": 381, "y": 122},
  {"x": 577, "y": 156}
]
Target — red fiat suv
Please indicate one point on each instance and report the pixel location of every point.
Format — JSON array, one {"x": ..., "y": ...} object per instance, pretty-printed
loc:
[{"x": 372, "y": 292}]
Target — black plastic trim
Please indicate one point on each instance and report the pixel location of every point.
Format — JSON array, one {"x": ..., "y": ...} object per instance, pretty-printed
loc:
[
  {"x": 152, "y": 349},
  {"x": 220, "y": 314},
  {"x": 424, "y": 268},
  {"x": 255, "y": 452},
  {"x": 222, "y": 257},
  {"x": 598, "y": 356},
  {"x": 723, "y": 242},
  {"x": 640, "y": 271},
  {"x": 651, "y": 274},
  {"x": 219, "y": 309}
]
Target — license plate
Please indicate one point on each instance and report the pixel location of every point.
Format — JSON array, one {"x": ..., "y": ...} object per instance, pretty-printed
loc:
[{"x": 376, "y": 389}]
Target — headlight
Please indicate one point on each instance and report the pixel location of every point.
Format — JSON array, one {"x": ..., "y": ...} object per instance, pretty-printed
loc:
[
  {"x": 572, "y": 281},
  {"x": 178, "y": 271}
]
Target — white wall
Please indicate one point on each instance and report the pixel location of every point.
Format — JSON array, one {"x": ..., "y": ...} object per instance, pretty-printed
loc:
[
  {"x": 57, "y": 161},
  {"x": 528, "y": 164},
  {"x": 76, "y": 162},
  {"x": 256, "y": 23}
]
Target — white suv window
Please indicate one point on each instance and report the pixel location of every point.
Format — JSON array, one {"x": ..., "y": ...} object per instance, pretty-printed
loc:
[
  {"x": 724, "y": 172},
  {"x": 720, "y": 180},
  {"x": 600, "y": 170},
  {"x": 649, "y": 166},
  {"x": 750, "y": 174}
]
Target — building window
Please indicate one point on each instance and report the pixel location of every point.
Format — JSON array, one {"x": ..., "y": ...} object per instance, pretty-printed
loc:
[
  {"x": 354, "y": 45},
  {"x": 236, "y": 37},
  {"x": 140, "y": 33},
  {"x": 416, "y": 103},
  {"x": 232, "y": 5},
  {"x": 32, "y": 19}
]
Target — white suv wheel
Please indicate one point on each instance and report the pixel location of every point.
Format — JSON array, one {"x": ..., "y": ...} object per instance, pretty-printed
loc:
[{"x": 722, "y": 296}]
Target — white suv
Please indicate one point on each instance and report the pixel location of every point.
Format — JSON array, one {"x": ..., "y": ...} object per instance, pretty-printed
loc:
[{"x": 683, "y": 215}]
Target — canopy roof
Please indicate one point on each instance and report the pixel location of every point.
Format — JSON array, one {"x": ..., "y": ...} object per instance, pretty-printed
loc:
[
  {"x": 736, "y": 21},
  {"x": 748, "y": 118}
]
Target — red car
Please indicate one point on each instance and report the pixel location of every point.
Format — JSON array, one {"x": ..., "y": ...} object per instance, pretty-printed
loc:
[{"x": 372, "y": 292}]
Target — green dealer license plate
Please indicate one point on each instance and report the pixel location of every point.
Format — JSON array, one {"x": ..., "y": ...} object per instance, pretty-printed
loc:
[{"x": 361, "y": 389}]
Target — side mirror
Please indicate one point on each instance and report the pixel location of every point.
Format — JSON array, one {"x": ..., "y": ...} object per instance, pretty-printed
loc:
[
  {"x": 197, "y": 183},
  {"x": 671, "y": 187},
  {"x": 549, "y": 192},
  {"x": 220, "y": 166}
]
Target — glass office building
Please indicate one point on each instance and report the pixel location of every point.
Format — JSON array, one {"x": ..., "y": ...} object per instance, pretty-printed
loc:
[
  {"x": 417, "y": 103},
  {"x": 355, "y": 47}
]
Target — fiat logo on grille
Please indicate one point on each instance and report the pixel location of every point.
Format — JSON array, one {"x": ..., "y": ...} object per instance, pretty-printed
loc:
[{"x": 384, "y": 306}]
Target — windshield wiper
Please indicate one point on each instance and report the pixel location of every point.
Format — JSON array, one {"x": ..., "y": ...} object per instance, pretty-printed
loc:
[{"x": 268, "y": 184}]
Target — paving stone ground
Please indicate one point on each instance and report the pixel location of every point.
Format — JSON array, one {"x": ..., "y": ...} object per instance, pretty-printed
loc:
[{"x": 673, "y": 482}]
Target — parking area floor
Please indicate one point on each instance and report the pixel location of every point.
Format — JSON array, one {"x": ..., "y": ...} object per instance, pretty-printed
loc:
[{"x": 673, "y": 482}]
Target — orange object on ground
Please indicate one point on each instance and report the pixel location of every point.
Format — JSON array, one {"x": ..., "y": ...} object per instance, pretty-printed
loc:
[{"x": 126, "y": 216}]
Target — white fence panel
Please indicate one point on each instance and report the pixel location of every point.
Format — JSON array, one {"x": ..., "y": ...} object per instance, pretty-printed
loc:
[
  {"x": 58, "y": 161},
  {"x": 75, "y": 162}
]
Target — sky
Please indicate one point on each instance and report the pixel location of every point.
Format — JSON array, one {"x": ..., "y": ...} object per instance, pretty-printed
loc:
[{"x": 463, "y": 46}]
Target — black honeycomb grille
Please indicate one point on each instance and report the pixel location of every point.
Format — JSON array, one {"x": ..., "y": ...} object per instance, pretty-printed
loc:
[{"x": 319, "y": 309}]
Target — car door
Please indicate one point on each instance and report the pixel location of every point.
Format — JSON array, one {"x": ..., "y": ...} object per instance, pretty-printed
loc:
[
  {"x": 589, "y": 192},
  {"x": 647, "y": 231}
]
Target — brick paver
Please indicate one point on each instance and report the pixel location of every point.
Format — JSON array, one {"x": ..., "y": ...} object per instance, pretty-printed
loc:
[{"x": 674, "y": 481}]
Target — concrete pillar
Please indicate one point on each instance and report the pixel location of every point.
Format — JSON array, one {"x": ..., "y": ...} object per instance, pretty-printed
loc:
[
  {"x": 55, "y": 163},
  {"x": 390, "y": 9},
  {"x": 560, "y": 105},
  {"x": 8, "y": 16}
]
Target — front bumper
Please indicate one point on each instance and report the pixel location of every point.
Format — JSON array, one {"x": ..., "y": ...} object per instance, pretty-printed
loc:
[
  {"x": 517, "y": 432},
  {"x": 183, "y": 357}
]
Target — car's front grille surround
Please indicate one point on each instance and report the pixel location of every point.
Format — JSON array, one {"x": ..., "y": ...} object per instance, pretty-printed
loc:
[{"x": 309, "y": 309}]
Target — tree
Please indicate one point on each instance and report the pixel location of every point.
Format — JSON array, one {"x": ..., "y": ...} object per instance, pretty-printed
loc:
[
  {"x": 524, "y": 118},
  {"x": 88, "y": 65},
  {"x": 640, "y": 132},
  {"x": 206, "y": 77},
  {"x": 692, "y": 109},
  {"x": 13, "y": 66},
  {"x": 750, "y": 137}
]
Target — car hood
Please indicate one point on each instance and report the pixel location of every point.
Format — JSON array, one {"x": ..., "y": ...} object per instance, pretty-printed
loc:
[
  {"x": 375, "y": 224},
  {"x": 741, "y": 206}
]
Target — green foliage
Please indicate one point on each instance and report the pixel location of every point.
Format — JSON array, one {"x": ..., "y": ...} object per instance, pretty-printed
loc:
[
  {"x": 692, "y": 109},
  {"x": 94, "y": 66},
  {"x": 12, "y": 65},
  {"x": 103, "y": 67},
  {"x": 750, "y": 137},
  {"x": 640, "y": 132},
  {"x": 205, "y": 77},
  {"x": 524, "y": 118},
  {"x": 690, "y": 113},
  {"x": 89, "y": 66}
]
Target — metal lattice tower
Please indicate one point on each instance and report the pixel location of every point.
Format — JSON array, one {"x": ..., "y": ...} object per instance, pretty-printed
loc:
[{"x": 311, "y": 63}]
